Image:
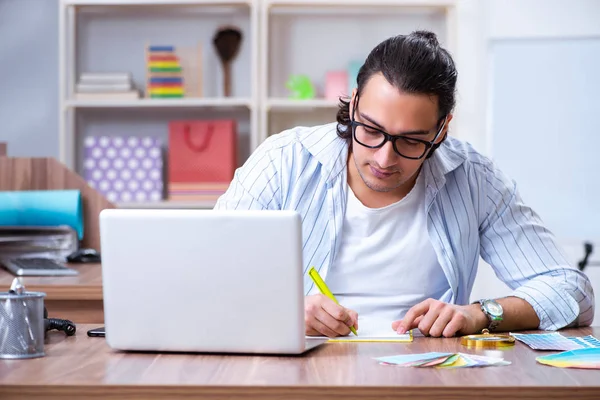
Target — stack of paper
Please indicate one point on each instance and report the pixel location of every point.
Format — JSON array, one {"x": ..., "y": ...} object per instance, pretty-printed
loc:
[
  {"x": 582, "y": 358},
  {"x": 105, "y": 86},
  {"x": 375, "y": 330},
  {"x": 41, "y": 241},
  {"x": 441, "y": 360},
  {"x": 556, "y": 341}
]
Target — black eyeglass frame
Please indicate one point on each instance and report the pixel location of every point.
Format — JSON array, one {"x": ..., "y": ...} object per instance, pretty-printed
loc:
[{"x": 393, "y": 138}]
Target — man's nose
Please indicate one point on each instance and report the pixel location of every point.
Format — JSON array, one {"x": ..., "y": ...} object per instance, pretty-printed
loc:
[{"x": 385, "y": 156}]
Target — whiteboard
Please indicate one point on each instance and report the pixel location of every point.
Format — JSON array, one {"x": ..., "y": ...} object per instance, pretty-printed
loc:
[{"x": 545, "y": 128}]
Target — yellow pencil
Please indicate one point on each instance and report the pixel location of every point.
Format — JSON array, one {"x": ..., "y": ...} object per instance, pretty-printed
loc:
[{"x": 324, "y": 289}]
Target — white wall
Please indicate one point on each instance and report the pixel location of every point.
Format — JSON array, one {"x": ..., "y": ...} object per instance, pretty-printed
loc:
[
  {"x": 29, "y": 70},
  {"x": 554, "y": 49}
]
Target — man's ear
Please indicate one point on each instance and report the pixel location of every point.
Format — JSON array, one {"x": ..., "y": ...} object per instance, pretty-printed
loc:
[
  {"x": 352, "y": 99},
  {"x": 444, "y": 133},
  {"x": 440, "y": 138}
]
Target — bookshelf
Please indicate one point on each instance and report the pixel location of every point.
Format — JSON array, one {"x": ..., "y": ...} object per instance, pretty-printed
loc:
[
  {"x": 313, "y": 37},
  {"x": 281, "y": 38}
]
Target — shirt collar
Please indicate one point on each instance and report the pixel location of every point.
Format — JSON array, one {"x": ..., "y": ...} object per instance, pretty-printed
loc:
[
  {"x": 323, "y": 143},
  {"x": 443, "y": 161}
]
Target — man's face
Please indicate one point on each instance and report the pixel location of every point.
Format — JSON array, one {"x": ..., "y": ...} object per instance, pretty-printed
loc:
[{"x": 413, "y": 116}]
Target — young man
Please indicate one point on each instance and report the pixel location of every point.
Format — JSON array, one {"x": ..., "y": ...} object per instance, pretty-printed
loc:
[{"x": 395, "y": 213}]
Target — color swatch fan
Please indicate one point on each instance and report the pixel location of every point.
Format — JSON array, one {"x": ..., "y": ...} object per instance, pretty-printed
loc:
[
  {"x": 442, "y": 360},
  {"x": 164, "y": 73},
  {"x": 581, "y": 358}
]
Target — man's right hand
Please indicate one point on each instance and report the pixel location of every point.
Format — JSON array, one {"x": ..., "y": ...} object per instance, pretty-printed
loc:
[{"x": 322, "y": 316}]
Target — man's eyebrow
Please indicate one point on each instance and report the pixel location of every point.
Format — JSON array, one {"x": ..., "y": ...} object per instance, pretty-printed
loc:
[
  {"x": 378, "y": 125},
  {"x": 371, "y": 120}
]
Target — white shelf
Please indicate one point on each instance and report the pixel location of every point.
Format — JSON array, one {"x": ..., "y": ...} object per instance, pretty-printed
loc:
[
  {"x": 162, "y": 103},
  {"x": 157, "y": 2},
  {"x": 361, "y": 3},
  {"x": 192, "y": 205},
  {"x": 277, "y": 104}
]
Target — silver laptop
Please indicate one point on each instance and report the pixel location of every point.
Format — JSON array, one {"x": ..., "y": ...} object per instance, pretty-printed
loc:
[{"x": 203, "y": 281}]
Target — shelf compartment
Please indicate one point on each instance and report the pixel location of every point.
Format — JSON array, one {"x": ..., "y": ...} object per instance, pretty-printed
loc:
[
  {"x": 214, "y": 102},
  {"x": 167, "y": 204},
  {"x": 282, "y": 104}
]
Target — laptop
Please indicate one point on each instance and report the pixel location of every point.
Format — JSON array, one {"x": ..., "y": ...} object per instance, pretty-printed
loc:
[{"x": 203, "y": 281}]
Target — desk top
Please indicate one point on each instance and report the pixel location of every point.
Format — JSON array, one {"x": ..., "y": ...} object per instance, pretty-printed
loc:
[
  {"x": 84, "y": 367},
  {"x": 85, "y": 286}
]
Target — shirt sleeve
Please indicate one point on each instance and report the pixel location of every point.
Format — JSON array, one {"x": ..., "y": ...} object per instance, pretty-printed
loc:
[
  {"x": 255, "y": 185},
  {"x": 525, "y": 256}
]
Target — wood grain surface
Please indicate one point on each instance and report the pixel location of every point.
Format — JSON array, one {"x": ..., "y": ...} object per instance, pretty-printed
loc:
[
  {"x": 77, "y": 298},
  {"x": 81, "y": 367},
  {"x": 87, "y": 285}
]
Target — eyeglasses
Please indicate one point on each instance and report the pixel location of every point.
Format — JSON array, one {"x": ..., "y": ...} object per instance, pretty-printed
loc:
[{"x": 407, "y": 147}]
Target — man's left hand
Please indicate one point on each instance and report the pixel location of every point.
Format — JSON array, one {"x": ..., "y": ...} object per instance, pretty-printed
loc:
[{"x": 435, "y": 318}]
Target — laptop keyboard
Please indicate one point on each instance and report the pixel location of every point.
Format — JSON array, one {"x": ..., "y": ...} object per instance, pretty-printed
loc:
[{"x": 37, "y": 267}]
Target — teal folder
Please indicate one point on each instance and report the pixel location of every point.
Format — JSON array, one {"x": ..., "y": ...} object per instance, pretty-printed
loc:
[{"x": 42, "y": 208}]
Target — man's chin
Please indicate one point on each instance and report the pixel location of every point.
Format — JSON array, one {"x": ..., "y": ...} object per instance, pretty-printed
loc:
[{"x": 378, "y": 187}]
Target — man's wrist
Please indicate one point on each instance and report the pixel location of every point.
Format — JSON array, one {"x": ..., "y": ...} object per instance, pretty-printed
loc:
[{"x": 481, "y": 320}]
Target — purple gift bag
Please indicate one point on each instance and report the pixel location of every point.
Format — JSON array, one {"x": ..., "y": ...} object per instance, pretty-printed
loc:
[{"x": 124, "y": 169}]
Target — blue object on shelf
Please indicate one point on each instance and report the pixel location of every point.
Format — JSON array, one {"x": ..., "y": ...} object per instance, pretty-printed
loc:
[
  {"x": 42, "y": 208},
  {"x": 162, "y": 49},
  {"x": 353, "y": 68}
]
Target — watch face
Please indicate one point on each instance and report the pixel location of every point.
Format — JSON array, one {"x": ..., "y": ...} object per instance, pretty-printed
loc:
[{"x": 493, "y": 308}]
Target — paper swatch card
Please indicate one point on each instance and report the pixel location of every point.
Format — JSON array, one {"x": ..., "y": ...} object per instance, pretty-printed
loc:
[
  {"x": 581, "y": 358},
  {"x": 556, "y": 341},
  {"x": 441, "y": 360}
]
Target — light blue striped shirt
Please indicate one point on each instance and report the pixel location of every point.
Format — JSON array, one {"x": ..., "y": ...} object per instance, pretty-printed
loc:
[{"x": 473, "y": 209}]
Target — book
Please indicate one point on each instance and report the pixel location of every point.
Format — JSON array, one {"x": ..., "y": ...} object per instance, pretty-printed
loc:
[
  {"x": 129, "y": 95},
  {"x": 105, "y": 77},
  {"x": 83, "y": 87}
]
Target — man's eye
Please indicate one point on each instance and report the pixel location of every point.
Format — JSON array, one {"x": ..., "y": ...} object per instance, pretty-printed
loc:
[{"x": 411, "y": 142}]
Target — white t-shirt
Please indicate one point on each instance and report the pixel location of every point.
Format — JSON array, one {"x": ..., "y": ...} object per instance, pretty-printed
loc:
[{"x": 386, "y": 262}]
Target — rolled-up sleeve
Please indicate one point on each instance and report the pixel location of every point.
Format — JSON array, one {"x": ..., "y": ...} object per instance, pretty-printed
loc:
[{"x": 525, "y": 256}]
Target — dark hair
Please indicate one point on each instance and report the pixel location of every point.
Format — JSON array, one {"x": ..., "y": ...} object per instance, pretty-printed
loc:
[{"x": 414, "y": 63}]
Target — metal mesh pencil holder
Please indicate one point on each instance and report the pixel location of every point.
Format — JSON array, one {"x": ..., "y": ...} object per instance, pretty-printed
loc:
[{"x": 22, "y": 325}]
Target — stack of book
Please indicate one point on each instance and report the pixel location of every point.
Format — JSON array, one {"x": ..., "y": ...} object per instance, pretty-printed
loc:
[
  {"x": 165, "y": 79},
  {"x": 105, "y": 86}
]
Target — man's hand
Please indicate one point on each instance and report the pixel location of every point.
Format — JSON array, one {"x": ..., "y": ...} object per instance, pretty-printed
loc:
[
  {"x": 435, "y": 318},
  {"x": 322, "y": 316}
]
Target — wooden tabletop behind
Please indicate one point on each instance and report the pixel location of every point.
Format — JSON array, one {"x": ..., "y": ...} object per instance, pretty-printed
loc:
[
  {"x": 83, "y": 367},
  {"x": 85, "y": 286}
]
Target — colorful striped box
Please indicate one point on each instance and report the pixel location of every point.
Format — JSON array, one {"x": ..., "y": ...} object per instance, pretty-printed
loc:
[{"x": 165, "y": 79}]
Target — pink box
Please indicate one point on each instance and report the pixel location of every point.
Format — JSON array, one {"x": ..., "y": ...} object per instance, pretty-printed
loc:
[{"x": 336, "y": 84}]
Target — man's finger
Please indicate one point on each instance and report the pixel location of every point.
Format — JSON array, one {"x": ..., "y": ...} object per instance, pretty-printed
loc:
[
  {"x": 340, "y": 327},
  {"x": 454, "y": 326},
  {"x": 441, "y": 322},
  {"x": 430, "y": 317},
  {"x": 408, "y": 322},
  {"x": 337, "y": 312},
  {"x": 322, "y": 329},
  {"x": 353, "y": 317}
]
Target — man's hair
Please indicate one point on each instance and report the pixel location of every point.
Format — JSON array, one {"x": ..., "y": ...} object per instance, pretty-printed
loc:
[{"x": 414, "y": 64}]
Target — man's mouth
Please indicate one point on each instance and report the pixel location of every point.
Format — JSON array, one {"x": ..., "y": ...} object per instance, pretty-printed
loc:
[{"x": 380, "y": 173}]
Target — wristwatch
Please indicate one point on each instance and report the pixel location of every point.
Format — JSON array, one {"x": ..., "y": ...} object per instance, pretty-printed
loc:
[{"x": 493, "y": 311}]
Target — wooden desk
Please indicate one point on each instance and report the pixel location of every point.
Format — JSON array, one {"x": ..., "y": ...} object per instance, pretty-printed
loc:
[
  {"x": 81, "y": 367},
  {"x": 78, "y": 298}
]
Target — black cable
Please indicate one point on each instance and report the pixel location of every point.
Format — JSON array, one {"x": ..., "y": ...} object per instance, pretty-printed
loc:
[
  {"x": 64, "y": 325},
  {"x": 588, "y": 249}
]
